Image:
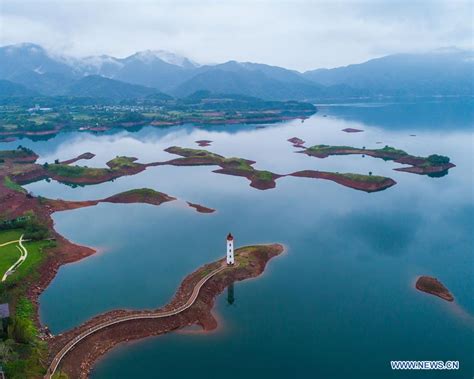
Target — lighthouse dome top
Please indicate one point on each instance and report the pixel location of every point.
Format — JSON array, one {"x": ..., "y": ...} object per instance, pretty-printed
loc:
[{"x": 230, "y": 237}]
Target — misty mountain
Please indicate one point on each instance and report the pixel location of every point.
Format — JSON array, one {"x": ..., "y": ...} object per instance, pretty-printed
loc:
[
  {"x": 440, "y": 72},
  {"x": 10, "y": 89},
  {"x": 23, "y": 58},
  {"x": 247, "y": 82},
  {"x": 100, "y": 87}
]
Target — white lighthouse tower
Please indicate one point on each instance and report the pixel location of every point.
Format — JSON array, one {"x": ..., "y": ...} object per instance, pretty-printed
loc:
[{"x": 230, "y": 249}]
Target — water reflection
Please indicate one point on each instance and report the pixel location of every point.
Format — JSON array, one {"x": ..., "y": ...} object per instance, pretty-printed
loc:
[
  {"x": 440, "y": 115},
  {"x": 230, "y": 294}
]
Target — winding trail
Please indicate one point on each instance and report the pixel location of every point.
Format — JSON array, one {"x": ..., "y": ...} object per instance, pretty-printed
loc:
[
  {"x": 19, "y": 262},
  {"x": 152, "y": 315}
]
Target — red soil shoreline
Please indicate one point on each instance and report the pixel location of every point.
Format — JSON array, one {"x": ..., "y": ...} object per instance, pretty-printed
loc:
[{"x": 200, "y": 208}]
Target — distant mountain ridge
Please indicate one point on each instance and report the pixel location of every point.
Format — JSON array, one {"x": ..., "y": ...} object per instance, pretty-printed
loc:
[{"x": 438, "y": 73}]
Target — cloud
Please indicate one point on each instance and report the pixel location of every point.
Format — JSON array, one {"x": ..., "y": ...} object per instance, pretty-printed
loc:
[{"x": 296, "y": 34}]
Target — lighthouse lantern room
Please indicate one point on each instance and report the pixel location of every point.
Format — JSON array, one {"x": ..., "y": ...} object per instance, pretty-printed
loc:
[{"x": 230, "y": 249}]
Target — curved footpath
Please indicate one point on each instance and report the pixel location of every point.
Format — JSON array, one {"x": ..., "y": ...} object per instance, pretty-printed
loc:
[
  {"x": 153, "y": 315},
  {"x": 9, "y": 243},
  {"x": 19, "y": 262}
]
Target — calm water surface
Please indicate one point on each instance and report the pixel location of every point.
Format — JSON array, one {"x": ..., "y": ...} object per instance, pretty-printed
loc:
[{"x": 340, "y": 303}]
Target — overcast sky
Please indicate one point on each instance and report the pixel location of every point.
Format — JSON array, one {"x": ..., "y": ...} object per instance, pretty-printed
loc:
[{"x": 295, "y": 34}]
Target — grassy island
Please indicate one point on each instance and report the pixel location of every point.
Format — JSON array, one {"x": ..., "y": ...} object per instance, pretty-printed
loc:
[
  {"x": 259, "y": 179},
  {"x": 367, "y": 183},
  {"x": 141, "y": 195},
  {"x": 117, "y": 167},
  {"x": 432, "y": 165}
]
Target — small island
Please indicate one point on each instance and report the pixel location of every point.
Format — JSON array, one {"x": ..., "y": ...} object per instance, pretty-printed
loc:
[
  {"x": 366, "y": 183},
  {"x": 352, "y": 130},
  {"x": 433, "y": 165},
  {"x": 433, "y": 286},
  {"x": 200, "y": 208},
  {"x": 297, "y": 142},
  {"x": 204, "y": 142},
  {"x": 140, "y": 195}
]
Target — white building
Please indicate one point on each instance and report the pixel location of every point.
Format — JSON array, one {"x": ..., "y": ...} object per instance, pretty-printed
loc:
[{"x": 230, "y": 249}]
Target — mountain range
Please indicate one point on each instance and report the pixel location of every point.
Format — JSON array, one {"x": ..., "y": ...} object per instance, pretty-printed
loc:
[{"x": 28, "y": 69}]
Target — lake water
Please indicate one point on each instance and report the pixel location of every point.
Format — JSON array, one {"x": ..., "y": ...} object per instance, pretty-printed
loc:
[{"x": 340, "y": 303}]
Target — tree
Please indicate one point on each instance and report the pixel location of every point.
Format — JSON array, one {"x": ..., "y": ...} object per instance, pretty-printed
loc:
[{"x": 436, "y": 160}]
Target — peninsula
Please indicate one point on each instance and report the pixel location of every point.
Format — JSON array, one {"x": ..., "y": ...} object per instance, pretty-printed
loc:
[{"x": 191, "y": 305}]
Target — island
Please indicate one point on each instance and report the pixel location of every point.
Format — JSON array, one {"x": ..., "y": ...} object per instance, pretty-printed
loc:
[
  {"x": 200, "y": 208},
  {"x": 259, "y": 179},
  {"x": 204, "y": 142},
  {"x": 297, "y": 142},
  {"x": 191, "y": 305},
  {"x": 433, "y": 165},
  {"x": 433, "y": 286},
  {"x": 352, "y": 130},
  {"x": 367, "y": 183}
]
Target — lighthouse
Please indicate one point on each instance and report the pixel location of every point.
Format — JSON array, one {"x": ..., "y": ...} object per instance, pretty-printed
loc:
[{"x": 230, "y": 249}]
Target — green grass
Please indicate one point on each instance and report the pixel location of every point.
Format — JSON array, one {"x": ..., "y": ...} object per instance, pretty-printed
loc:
[
  {"x": 9, "y": 235},
  {"x": 9, "y": 254},
  {"x": 188, "y": 153},
  {"x": 243, "y": 261},
  {"x": 143, "y": 192},
  {"x": 7, "y": 182},
  {"x": 263, "y": 175},
  {"x": 363, "y": 178},
  {"x": 326, "y": 149},
  {"x": 392, "y": 150},
  {"x": 75, "y": 171},
  {"x": 68, "y": 171},
  {"x": 121, "y": 162},
  {"x": 27, "y": 351},
  {"x": 238, "y": 163}
]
